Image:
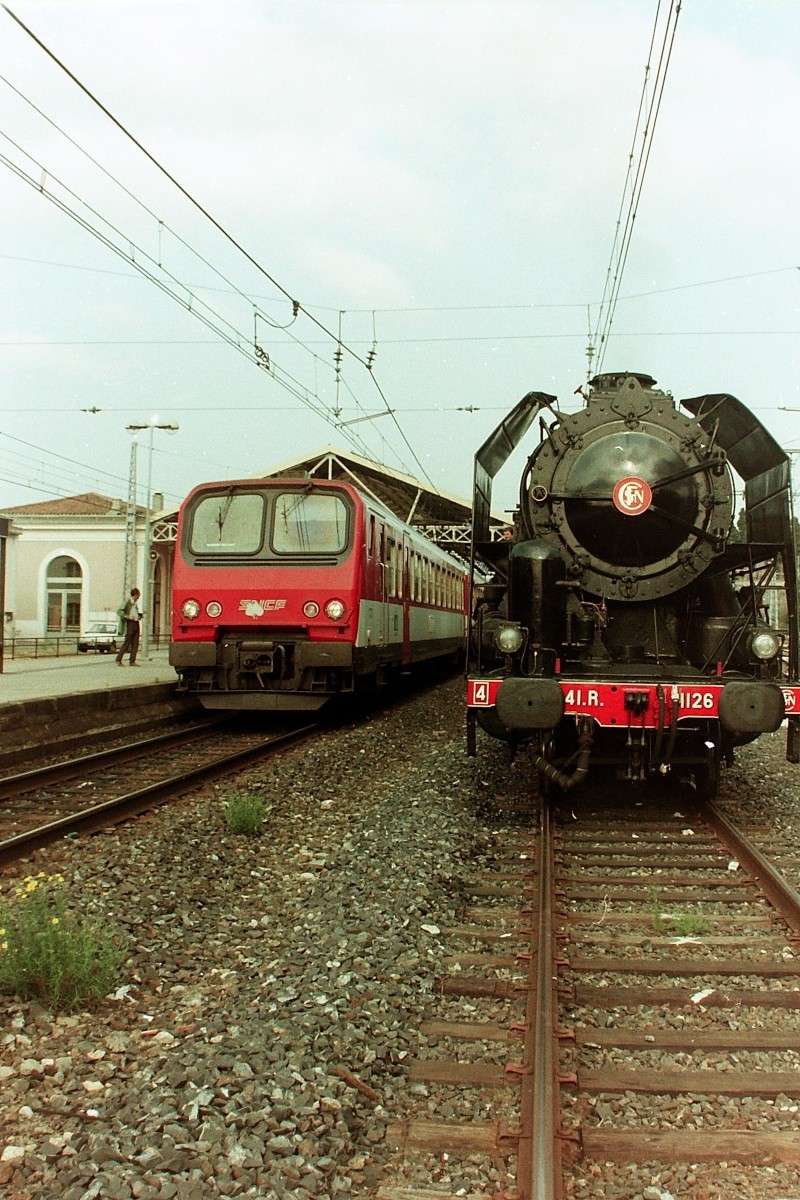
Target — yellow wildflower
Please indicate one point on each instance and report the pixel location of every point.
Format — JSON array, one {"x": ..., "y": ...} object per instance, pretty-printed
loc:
[
  {"x": 3, "y": 945},
  {"x": 2, "y": 931},
  {"x": 55, "y": 920}
]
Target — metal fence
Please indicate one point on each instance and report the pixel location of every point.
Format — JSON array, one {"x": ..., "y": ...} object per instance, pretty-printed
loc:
[{"x": 58, "y": 647}]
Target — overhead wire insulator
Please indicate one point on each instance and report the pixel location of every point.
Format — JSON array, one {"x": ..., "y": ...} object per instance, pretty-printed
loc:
[
  {"x": 337, "y": 359},
  {"x": 590, "y": 350},
  {"x": 373, "y": 350}
]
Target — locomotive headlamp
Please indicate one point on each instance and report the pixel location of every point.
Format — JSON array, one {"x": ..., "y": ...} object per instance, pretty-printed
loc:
[
  {"x": 508, "y": 639},
  {"x": 334, "y": 609},
  {"x": 765, "y": 644},
  {"x": 191, "y": 609},
  {"x": 213, "y": 608},
  {"x": 311, "y": 608}
]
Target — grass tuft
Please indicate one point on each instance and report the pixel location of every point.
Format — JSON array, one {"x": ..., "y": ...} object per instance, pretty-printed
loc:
[
  {"x": 52, "y": 955},
  {"x": 678, "y": 924},
  {"x": 245, "y": 813}
]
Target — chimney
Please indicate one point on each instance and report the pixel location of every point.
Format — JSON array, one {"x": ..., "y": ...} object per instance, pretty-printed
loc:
[{"x": 158, "y": 501}]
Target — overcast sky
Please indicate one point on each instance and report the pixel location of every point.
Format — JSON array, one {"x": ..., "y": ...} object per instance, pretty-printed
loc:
[{"x": 409, "y": 158}]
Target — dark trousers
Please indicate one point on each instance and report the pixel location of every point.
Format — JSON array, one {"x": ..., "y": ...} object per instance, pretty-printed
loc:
[{"x": 131, "y": 643}]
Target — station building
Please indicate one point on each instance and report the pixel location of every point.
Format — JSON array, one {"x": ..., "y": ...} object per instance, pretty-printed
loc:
[{"x": 65, "y": 565}]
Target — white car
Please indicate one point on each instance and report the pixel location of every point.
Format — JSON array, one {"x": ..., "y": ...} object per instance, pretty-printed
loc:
[{"x": 100, "y": 636}]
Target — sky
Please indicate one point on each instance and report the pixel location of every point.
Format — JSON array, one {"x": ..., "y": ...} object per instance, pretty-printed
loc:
[{"x": 444, "y": 178}]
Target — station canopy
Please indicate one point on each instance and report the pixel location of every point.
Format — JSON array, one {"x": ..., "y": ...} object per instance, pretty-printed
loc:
[{"x": 445, "y": 519}]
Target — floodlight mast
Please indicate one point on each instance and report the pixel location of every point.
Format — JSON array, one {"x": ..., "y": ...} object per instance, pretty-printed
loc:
[{"x": 152, "y": 425}]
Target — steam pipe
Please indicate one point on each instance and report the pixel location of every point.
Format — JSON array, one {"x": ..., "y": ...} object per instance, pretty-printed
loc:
[{"x": 560, "y": 778}]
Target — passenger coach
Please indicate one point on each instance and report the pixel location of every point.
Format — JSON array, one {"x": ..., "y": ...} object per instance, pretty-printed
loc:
[{"x": 288, "y": 592}]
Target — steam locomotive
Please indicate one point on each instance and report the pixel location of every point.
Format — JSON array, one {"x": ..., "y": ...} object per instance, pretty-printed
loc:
[{"x": 623, "y": 629}]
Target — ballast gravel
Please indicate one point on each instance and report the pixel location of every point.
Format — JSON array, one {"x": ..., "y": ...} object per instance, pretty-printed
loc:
[
  {"x": 276, "y": 986},
  {"x": 259, "y": 969}
]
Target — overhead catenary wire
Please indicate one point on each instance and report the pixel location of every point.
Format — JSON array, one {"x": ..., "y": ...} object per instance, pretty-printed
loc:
[
  {"x": 409, "y": 409},
  {"x": 225, "y": 331},
  {"x": 104, "y": 478},
  {"x": 414, "y": 341},
  {"x": 47, "y": 492},
  {"x": 232, "y": 289},
  {"x": 262, "y": 358},
  {"x": 628, "y": 172},
  {"x": 428, "y": 308},
  {"x": 129, "y": 256},
  {"x": 217, "y": 224},
  {"x": 621, "y": 246}
]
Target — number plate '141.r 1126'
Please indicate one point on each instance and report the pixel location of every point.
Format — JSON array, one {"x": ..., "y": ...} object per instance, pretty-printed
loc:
[{"x": 630, "y": 703}]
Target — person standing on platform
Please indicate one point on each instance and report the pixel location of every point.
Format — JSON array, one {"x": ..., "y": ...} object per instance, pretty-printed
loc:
[{"x": 131, "y": 616}]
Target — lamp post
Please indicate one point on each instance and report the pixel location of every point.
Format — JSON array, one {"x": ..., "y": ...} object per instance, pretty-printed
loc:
[{"x": 153, "y": 424}]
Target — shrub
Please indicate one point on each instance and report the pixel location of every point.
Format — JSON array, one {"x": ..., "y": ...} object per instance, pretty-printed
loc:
[
  {"x": 50, "y": 954},
  {"x": 245, "y": 813}
]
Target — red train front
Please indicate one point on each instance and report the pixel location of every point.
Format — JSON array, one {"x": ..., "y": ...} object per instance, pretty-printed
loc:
[{"x": 287, "y": 592}]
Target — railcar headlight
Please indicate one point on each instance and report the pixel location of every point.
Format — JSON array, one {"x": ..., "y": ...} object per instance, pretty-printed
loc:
[
  {"x": 508, "y": 639},
  {"x": 765, "y": 644},
  {"x": 311, "y": 608},
  {"x": 213, "y": 608},
  {"x": 334, "y": 609},
  {"x": 191, "y": 609}
]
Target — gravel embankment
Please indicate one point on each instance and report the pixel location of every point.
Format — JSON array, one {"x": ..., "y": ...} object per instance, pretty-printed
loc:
[{"x": 257, "y": 967}]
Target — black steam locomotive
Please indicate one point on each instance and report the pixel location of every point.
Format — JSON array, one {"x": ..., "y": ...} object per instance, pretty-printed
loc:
[{"x": 623, "y": 627}]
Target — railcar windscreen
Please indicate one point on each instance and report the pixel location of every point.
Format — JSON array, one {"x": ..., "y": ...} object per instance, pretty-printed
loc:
[
  {"x": 306, "y": 523},
  {"x": 230, "y": 523}
]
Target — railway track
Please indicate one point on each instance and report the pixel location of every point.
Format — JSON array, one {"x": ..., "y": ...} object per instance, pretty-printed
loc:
[
  {"x": 89, "y": 792},
  {"x": 638, "y": 961}
]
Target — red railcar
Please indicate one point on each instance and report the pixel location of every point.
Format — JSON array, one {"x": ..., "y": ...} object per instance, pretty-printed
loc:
[{"x": 287, "y": 592}]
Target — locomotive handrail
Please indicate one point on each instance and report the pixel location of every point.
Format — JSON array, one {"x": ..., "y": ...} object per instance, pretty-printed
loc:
[{"x": 687, "y": 525}]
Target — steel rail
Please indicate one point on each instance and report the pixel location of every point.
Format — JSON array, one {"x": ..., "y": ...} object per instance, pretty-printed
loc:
[
  {"x": 29, "y": 755},
  {"x": 99, "y": 816},
  {"x": 27, "y": 781},
  {"x": 775, "y": 887},
  {"x": 539, "y": 1161}
]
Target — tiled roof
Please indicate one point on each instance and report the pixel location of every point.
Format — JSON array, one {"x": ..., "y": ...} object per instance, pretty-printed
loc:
[{"x": 87, "y": 504}]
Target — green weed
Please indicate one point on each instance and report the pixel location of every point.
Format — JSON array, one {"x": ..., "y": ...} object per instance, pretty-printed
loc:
[
  {"x": 50, "y": 954},
  {"x": 245, "y": 813},
  {"x": 677, "y": 924}
]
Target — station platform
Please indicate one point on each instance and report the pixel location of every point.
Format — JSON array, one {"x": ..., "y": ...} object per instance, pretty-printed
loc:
[{"x": 25, "y": 679}]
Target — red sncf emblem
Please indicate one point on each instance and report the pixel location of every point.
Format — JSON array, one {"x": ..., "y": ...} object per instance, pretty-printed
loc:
[{"x": 632, "y": 495}]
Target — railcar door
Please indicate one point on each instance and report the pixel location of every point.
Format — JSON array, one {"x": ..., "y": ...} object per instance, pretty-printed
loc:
[
  {"x": 385, "y": 586},
  {"x": 405, "y": 597}
]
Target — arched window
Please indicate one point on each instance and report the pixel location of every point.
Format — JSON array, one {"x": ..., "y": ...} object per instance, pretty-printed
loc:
[{"x": 64, "y": 578}]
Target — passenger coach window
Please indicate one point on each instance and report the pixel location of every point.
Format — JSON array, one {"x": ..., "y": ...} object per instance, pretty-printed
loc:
[
  {"x": 230, "y": 523},
  {"x": 309, "y": 523}
]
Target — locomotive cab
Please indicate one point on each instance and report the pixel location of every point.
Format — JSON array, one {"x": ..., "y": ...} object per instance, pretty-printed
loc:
[{"x": 264, "y": 593}]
